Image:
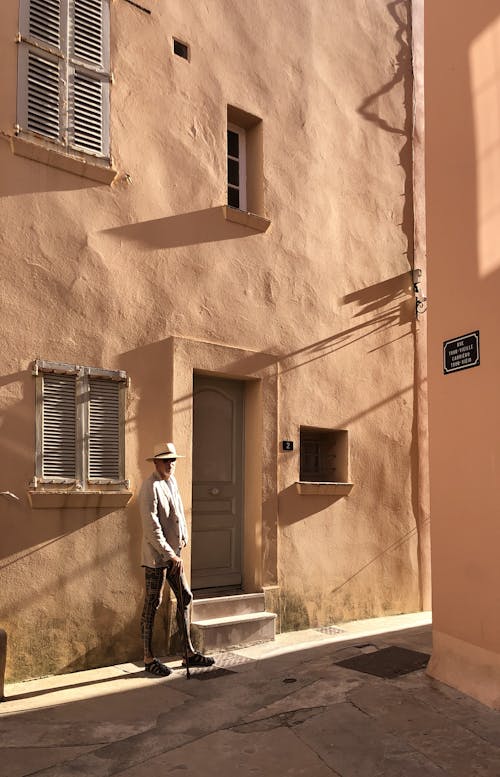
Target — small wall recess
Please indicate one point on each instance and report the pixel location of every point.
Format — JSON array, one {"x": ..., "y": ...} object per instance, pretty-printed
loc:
[
  {"x": 181, "y": 49},
  {"x": 324, "y": 456}
]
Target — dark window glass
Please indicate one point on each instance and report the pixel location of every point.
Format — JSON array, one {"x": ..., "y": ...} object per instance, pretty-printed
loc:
[
  {"x": 233, "y": 148},
  {"x": 233, "y": 172},
  {"x": 233, "y": 197}
]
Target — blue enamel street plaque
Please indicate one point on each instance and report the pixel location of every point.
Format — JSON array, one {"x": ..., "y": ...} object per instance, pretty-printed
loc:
[{"x": 461, "y": 353}]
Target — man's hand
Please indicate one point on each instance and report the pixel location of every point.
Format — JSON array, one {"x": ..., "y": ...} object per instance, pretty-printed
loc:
[{"x": 177, "y": 563}]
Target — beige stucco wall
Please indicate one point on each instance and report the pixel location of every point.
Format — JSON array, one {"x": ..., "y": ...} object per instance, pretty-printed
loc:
[
  {"x": 462, "y": 151},
  {"x": 145, "y": 275}
]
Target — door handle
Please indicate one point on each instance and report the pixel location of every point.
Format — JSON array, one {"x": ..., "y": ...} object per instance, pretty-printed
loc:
[{"x": 214, "y": 491}]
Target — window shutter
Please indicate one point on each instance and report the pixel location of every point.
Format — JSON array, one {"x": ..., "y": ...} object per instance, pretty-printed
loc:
[
  {"x": 88, "y": 113},
  {"x": 44, "y": 21},
  {"x": 64, "y": 80},
  {"x": 104, "y": 429},
  {"x": 59, "y": 426},
  {"x": 88, "y": 24},
  {"x": 89, "y": 90},
  {"x": 43, "y": 115}
]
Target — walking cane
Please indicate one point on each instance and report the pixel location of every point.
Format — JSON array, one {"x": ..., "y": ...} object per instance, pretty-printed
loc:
[{"x": 186, "y": 635}]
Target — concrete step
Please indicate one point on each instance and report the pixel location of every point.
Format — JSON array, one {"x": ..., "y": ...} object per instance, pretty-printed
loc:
[
  {"x": 226, "y": 606},
  {"x": 228, "y": 632}
]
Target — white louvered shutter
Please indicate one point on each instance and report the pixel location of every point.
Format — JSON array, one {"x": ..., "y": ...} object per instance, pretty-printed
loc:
[
  {"x": 40, "y": 70},
  {"x": 59, "y": 426},
  {"x": 89, "y": 90},
  {"x": 104, "y": 452},
  {"x": 88, "y": 113},
  {"x": 88, "y": 30},
  {"x": 44, "y": 21},
  {"x": 43, "y": 114}
]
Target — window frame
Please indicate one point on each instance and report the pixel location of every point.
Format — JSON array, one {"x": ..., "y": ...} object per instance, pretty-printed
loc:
[
  {"x": 69, "y": 64},
  {"x": 82, "y": 480},
  {"x": 242, "y": 166},
  {"x": 324, "y": 455}
]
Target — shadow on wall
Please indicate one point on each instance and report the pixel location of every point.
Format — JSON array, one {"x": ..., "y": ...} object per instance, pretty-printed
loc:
[
  {"x": 115, "y": 644},
  {"x": 17, "y": 447},
  {"x": 149, "y": 399},
  {"x": 149, "y": 365},
  {"x": 372, "y": 110},
  {"x": 406, "y": 537},
  {"x": 17, "y": 417},
  {"x": 343, "y": 602},
  {"x": 25, "y": 176},
  {"x": 393, "y": 291},
  {"x": 41, "y": 642},
  {"x": 41, "y": 536},
  {"x": 202, "y": 226},
  {"x": 73, "y": 521},
  {"x": 295, "y": 507},
  {"x": 394, "y": 295},
  {"x": 400, "y": 11}
]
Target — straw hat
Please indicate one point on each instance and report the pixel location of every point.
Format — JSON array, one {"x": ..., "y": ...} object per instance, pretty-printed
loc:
[{"x": 165, "y": 450}]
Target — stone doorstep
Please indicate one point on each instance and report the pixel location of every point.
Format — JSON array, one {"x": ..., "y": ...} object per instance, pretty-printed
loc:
[
  {"x": 234, "y": 631},
  {"x": 227, "y": 606},
  {"x": 230, "y": 620}
]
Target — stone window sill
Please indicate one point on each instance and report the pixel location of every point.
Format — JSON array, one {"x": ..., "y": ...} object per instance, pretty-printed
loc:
[
  {"x": 251, "y": 220},
  {"x": 87, "y": 167},
  {"x": 323, "y": 489},
  {"x": 56, "y": 500}
]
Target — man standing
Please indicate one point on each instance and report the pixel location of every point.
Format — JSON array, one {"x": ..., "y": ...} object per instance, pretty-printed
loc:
[{"x": 164, "y": 535}]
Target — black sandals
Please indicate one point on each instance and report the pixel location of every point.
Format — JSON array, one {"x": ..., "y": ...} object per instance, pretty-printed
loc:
[
  {"x": 198, "y": 659},
  {"x": 157, "y": 668}
]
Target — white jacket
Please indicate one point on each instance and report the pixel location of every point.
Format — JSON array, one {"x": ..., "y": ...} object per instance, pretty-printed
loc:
[{"x": 164, "y": 529}]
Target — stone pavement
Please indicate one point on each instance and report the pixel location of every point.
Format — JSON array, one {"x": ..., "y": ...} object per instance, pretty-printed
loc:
[{"x": 282, "y": 708}]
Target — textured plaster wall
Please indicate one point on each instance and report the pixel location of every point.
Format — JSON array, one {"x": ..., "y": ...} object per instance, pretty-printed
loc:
[
  {"x": 463, "y": 224},
  {"x": 105, "y": 275}
]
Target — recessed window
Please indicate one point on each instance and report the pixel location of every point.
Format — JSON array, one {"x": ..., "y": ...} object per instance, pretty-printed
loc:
[
  {"x": 236, "y": 167},
  {"x": 245, "y": 179},
  {"x": 324, "y": 455},
  {"x": 80, "y": 429},
  {"x": 181, "y": 49}
]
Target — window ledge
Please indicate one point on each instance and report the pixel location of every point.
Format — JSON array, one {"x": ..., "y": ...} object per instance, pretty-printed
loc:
[
  {"x": 86, "y": 167},
  {"x": 57, "y": 499},
  {"x": 323, "y": 489},
  {"x": 252, "y": 220}
]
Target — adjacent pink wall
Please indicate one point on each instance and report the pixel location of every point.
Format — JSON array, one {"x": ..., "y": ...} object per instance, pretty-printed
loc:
[{"x": 462, "y": 87}]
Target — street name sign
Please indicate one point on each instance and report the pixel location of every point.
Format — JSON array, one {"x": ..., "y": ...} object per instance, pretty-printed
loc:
[{"x": 461, "y": 353}]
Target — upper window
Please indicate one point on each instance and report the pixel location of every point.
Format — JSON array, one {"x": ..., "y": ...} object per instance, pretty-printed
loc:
[
  {"x": 245, "y": 177},
  {"x": 236, "y": 167},
  {"x": 63, "y": 88},
  {"x": 80, "y": 428}
]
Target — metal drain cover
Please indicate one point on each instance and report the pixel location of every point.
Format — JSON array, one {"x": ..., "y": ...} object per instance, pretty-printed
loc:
[{"x": 388, "y": 662}]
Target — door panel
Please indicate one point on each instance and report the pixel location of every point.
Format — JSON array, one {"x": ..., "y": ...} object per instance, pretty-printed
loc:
[{"x": 217, "y": 482}]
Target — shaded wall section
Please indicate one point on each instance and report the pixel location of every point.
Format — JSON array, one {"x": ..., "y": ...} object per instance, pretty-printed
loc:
[{"x": 463, "y": 225}]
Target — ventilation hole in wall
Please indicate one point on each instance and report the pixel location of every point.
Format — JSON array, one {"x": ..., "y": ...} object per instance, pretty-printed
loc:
[{"x": 181, "y": 49}]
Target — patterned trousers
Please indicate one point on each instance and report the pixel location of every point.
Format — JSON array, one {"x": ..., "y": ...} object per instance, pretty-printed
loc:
[{"x": 155, "y": 578}]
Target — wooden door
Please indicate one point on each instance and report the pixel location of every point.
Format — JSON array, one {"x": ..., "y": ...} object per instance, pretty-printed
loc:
[{"x": 217, "y": 482}]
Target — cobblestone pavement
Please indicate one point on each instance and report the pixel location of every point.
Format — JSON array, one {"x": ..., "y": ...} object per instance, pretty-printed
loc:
[{"x": 282, "y": 708}]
